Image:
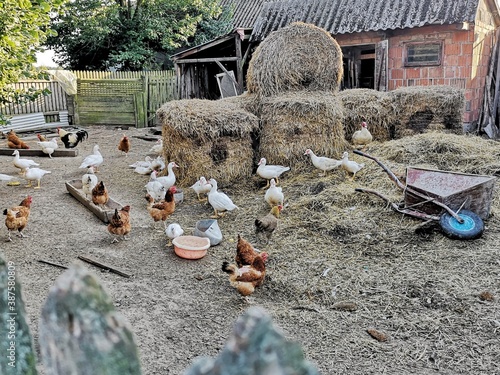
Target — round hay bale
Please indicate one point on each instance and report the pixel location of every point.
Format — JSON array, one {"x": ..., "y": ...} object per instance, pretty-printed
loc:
[
  {"x": 423, "y": 108},
  {"x": 294, "y": 122},
  {"x": 297, "y": 57},
  {"x": 374, "y": 107},
  {"x": 209, "y": 138}
]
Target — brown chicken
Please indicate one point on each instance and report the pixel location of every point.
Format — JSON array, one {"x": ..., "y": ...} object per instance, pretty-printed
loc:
[
  {"x": 13, "y": 141},
  {"x": 42, "y": 138},
  {"x": 245, "y": 253},
  {"x": 100, "y": 194},
  {"x": 265, "y": 226},
  {"x": 17, "y": 216},
  {"x": 162, "y": 210},
  {"x": 119, "y": 225},
  {"x": 245, "y": 279},
  {"x": 124, "y": 145}
]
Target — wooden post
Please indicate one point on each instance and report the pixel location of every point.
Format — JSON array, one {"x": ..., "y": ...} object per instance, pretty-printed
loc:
[
  {"x": 16, "y": 348},
  {"x": 80, "y": 331},
  {"x": 239, "y": 65}
]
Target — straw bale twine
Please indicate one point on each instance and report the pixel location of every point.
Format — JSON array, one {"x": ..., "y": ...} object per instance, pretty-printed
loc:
[
  {"x": 374, "y": 107},
  {"x": 208, "y": 137},
  {"x": 294, "y": 122},
  {"x": 297, "y": 57},
  {"x": 422, "y": 108}
]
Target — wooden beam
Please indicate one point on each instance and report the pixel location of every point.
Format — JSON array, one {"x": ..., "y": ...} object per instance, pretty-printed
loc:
[
  {"x": 208, "y": 45},
  {"x": 205, "y": 60},
  {"x": 36, "y": 152},
  {"x": 238, "y": 87},
  {"x": 239, "y": 67},
  {"x": 103, "y": 266}
]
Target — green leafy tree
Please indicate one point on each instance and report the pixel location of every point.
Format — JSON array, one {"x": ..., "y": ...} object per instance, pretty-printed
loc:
[
  {"x": 24, "y": 27},
  {"x": 126, "y": 34}
]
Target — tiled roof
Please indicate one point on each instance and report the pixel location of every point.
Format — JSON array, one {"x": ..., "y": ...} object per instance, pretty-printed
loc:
[{"x": 350, "y": 16}]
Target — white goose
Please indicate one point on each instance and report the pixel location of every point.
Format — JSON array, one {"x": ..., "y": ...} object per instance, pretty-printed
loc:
[
  {"x": 322, "y": 162},
  {"x": 93, "y": 160},
  {"x": 201, "y": 187},
  {"x": 350, "y": 165},
  {"x": 274, "y": 195},
  {"x": 270, "y": 171},
  {"x": 23, "y": 164},
  {"x": 35, "y": 174},
  {"x": 219, "y": 201},
  {"x": 169, "y": 180}
]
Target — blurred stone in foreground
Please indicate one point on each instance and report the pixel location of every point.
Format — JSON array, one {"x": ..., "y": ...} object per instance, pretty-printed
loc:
[{"x": 256, "y": 347}]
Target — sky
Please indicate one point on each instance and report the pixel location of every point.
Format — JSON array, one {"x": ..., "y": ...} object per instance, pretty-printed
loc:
[{"x": 45, "y": 59}]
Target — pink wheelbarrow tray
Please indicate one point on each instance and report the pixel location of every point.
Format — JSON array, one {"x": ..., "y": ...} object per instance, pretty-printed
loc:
[{"x": 458, "y": 201}]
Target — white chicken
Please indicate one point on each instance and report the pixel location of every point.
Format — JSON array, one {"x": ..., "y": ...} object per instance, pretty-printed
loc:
[
  {"x": 270, "y": 171},
  {"x": 362, "y": 137},
  {"x": 322, "y": 162},
  {"x": 274, "y": 195},
  {"x": 350, "y": 166},
  {"x": 93, "y": 160},
  {"x": 48, "y": 147},
  {"x": 35, "y": 174},
  {"x": 155, "y": 188},
  {"x": 201, "y": 187},
  {"x": 173, "y": 230},
  {"x": 157, "y": 149},
  {"x": 89, "y": 181},
  {"x": 169, "y": 180},
  {"x": 219, "y": 201},
  {"x": 23, "y": 164}
]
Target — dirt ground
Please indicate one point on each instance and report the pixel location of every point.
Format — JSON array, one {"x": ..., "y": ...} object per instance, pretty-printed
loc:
[{"x": 337, "y": 268}]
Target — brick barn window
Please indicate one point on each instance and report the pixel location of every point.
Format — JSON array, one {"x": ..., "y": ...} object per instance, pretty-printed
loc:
[{"x": 422, "y": 54}]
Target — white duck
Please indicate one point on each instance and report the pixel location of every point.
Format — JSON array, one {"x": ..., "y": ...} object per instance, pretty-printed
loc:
[
  {"x": 93, "y": 160},
  {"x": 173, "y": 230},
  {"x": 11, "y": 180},
  {"x": 155, "y": 188},
  {"x": 23, "y": 164},
  {"x": 270, "y": 171},
  {"x": 35, "y": 174},
  {"x": 169, "y": 180},
  {"x": 158, "y": 164},
  {"x": 350, "y": 165},
  {"x": 274, "y": 195},
  {"x": 142, "y": 163},
  {"x": 201, "y": 187},
  {"x": 219, "y": 201},
  {"x": 89, "y": 181},
  {"x": 48, "y": 147},
  {"x": 157, "y": 149},
  {"x": 322, "y": 162},
  {"x": 362, "y": 137}
]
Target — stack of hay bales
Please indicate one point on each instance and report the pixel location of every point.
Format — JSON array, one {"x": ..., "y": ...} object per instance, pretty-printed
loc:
[
  {"x": 423, "y": 108},
  {"x": 296, "y": 71},
  {"x": 209, "y": 138}
]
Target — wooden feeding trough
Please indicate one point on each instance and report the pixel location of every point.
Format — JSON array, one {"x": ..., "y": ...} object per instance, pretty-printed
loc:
[
  {"x": 59, "y": 152},
  {"x": 74, "y": 187},
  {"x": 456, "y": 190}
]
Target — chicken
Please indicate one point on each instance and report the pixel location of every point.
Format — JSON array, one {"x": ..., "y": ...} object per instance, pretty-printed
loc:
[
  {"x": 89, "y": 181},
  {"x": 245, "y": 252},
  {"x": 157, "y": 149},
  {"x": 124, "y": 145},
  {"x": 71, "y": 139},
  {"x": 48, "y": 147},
  {"x": 245, "y": 279},
  {"x": 362, "y": 137},
  {"x": 265, "y": 226},
  {"x": 219, "y": 201},
  {"x": 201, "y": 187},
  {"x": 34, "y": 174},
  {"x": 23, "y": 164},
  {"x": 119, "y": 224},
  {"x": 42, "y": 138},
  {"x": 274, "y": 195},
  {"x": 93, "y": 160},
  {"x": 17, "y": 216},
  {"x": 322, "y": 162},
  {"x": 162, "y": 210},
  {"x": 270, "y": 171},
  {"x": 350, "y": 166},
  {"x": 100, "y": 195},
  {"x": 173, "y": 230},
  {"x": 13, "y": 141}
]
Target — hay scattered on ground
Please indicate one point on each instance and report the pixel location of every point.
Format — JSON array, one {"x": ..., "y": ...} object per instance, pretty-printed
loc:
[
  {"x": 294, "y": 122},
  {"x": 295, "y": 58}
]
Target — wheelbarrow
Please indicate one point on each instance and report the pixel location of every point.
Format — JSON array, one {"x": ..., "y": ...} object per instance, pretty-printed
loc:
[{"x": 457, "y": 201}]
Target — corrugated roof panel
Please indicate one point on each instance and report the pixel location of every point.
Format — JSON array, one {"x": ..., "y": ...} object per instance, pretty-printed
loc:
[
  {"x": 246, "y": 12},
  {"x": 350, "y": 16}
]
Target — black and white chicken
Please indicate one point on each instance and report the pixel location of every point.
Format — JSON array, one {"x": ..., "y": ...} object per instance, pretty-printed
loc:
[{"x": 71, "y": 139}]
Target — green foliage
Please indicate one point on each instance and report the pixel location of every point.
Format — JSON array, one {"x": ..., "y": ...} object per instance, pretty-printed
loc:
[
  {"x": 23, "y": 29},
  {"x": 124, "y": 34}
]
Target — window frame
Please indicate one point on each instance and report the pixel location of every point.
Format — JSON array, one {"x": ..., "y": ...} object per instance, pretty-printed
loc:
[{"x": 439, "y": 54}]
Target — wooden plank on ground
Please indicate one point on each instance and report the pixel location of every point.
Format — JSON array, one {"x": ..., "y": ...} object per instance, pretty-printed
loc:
[{"x": 36, "y": 152}]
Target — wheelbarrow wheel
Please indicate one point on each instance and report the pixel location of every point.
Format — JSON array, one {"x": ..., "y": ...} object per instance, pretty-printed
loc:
[{"x": 470, "y": 229}]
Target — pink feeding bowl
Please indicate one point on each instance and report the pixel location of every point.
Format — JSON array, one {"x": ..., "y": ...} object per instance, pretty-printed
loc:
[{"x": 191, "y": 247}]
